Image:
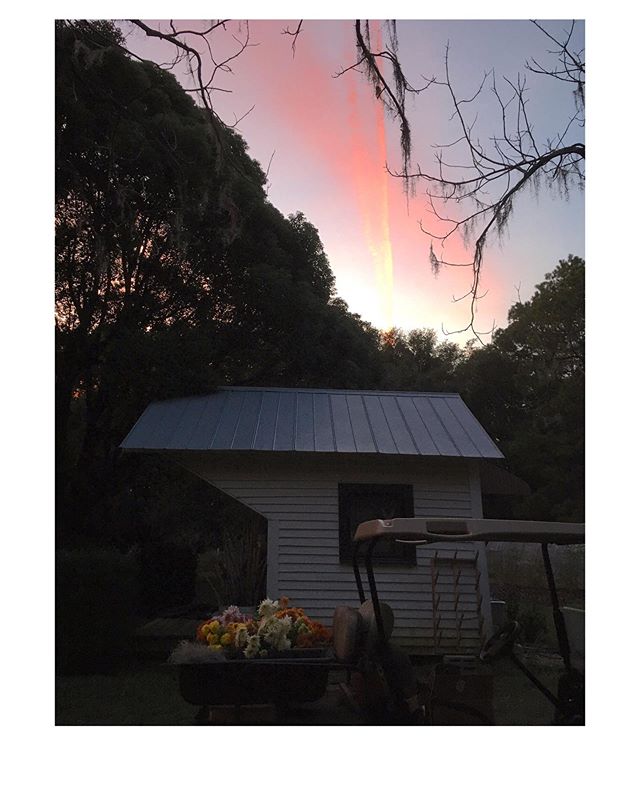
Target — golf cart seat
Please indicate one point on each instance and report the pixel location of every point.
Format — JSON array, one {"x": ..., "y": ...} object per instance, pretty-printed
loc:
[
  {"x": 355, "y": 631},
  {"x": 347, "y": 634},
  {"x": 356, "y": 638}
]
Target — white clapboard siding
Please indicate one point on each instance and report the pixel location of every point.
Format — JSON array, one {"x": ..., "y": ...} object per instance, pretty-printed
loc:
[{"x": 439, "y": 605}]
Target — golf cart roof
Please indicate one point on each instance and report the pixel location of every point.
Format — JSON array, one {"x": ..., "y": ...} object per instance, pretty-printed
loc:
[{"x": 432, "y": 530}]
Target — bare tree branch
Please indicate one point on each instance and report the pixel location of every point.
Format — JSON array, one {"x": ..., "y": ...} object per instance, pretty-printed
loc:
[
  {"x": 191, "y": 55},
  {"x": 486, "y": 177},
  {"x": 392, "y": 98},
  {"x": 295, "y": 35}
]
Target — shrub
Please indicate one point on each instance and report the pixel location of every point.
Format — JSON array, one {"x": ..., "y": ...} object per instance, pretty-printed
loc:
[
  {"x": 167, "y": 575},
  {"x": 237, "y": 573},
  {"x": 95, "y": 601},
  {"x": 518, "y": 577},
  {"x": 536, "y": 629}
]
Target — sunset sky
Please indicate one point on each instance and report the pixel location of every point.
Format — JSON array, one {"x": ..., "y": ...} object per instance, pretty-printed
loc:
[
  {"x": 325, "y": 141},
  {"x": 316, "y": 168}
]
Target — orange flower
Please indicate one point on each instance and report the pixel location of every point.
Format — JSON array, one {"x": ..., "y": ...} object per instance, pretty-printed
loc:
[
  {"x": 200, "y": 634},
  {"x": 292, "y": 613}
]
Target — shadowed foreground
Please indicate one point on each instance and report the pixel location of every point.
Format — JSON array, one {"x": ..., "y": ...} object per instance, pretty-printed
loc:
[{"x": 148, "y": 694}]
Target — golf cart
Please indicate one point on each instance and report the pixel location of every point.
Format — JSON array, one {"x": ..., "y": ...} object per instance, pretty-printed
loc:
[
  {"x": 361, "y": 637},
  {"x": 382, "y": 684}
]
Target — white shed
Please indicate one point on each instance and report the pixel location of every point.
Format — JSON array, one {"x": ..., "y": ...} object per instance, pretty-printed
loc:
[{"x": 317, "y": 462}]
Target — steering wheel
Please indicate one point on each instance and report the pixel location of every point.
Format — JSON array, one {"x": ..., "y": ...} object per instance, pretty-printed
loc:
[{"x": 501, "y": 643}]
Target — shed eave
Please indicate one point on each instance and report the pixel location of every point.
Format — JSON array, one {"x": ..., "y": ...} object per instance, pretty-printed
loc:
[{"x": 310, "y": 454}]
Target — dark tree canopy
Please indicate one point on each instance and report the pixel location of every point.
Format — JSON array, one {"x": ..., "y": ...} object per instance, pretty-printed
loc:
[
  {"x": 143, "y": 212},
  {"x": 174, "y": 274},
  {"x": 527, "y": 388},
  {"x": 173, "y": 271}
]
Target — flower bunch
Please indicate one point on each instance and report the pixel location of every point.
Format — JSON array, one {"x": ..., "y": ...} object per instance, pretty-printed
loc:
[{"x": 275, "y": 627}]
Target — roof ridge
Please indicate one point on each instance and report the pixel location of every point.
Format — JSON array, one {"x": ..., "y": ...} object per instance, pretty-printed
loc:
[{"x": 339, "y": 391}]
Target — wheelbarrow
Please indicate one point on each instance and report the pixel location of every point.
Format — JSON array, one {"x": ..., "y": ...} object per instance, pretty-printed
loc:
[{"x": 291, "y": 678}]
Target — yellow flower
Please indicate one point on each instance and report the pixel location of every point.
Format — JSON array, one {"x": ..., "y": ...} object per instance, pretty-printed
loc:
[
  {"x": 226, "y": 639},
  {"x": 209, "y": 638},
  {"x": 215, "y": 646},
  {"x": 214, "y": 625}
]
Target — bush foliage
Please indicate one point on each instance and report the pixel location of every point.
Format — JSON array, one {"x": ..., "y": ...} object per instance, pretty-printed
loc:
[
  {"x": 167, "y": 575},
  {"x": 96, "y": 592}
]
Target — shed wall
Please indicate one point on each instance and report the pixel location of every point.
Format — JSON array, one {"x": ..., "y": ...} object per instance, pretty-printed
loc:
[{"x": 440, "y": 605}]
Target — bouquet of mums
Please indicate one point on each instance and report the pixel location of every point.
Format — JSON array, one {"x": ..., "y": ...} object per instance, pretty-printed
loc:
[{"x": 274, "y": 628}]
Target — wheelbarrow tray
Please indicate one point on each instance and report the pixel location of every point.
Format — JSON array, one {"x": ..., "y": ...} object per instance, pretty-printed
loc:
[{"x": 300, "y": 676}]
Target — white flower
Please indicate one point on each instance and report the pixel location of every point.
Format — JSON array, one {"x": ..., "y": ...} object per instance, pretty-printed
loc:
[
  {"x": 253, "y": 646},
  {"x": 242, "y": 636},
  {"x": 275, "y": 631},
  {"x": 268, "y": 608}
]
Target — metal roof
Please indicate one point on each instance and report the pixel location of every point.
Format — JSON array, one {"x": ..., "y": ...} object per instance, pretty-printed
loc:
[{"x": 314, "y": 420}]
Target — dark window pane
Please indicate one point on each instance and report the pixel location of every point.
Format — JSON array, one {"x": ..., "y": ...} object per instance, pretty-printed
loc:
[{"x": 359, "y": 502}]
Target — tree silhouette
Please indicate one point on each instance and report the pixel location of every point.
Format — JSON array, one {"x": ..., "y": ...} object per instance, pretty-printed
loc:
[
  {"x": 527, "y": 388},
  {"x": 174, "y": 274}
]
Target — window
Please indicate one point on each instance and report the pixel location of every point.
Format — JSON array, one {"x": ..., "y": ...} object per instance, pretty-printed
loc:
[{"x": 359, "y": 502}]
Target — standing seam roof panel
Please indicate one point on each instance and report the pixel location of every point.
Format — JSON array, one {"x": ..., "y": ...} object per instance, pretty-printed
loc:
[
  {"x": 441, "y": 438},
  {"x": 463, "y": 443},
  {"x": 207, "y": 424},
  {"x": 345, "y": 440},
  {"x": 322, "y": 424},
  {"x": 265, "y": 432},
  {"x": 419, "y": 431},
  {"x": 474, "y": 429},
  {"x": 192, "y": 412},
  {"x": 305, "y": 440},
  {"x": 399, "y": 430},
  {"x": 245, "y": 431},
  {"x": 151, "y": 426},
  {"x": 285, "y": 424},
  {"x": 382, "y": 434},
  {"x": 362, "y": 434},
  {"x": 226, "y": 428}
]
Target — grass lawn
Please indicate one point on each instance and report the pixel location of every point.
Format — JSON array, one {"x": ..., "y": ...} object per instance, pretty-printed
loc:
[
  {"x": 516, "y": 701},
  {"x": 146, "y": 693}
]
